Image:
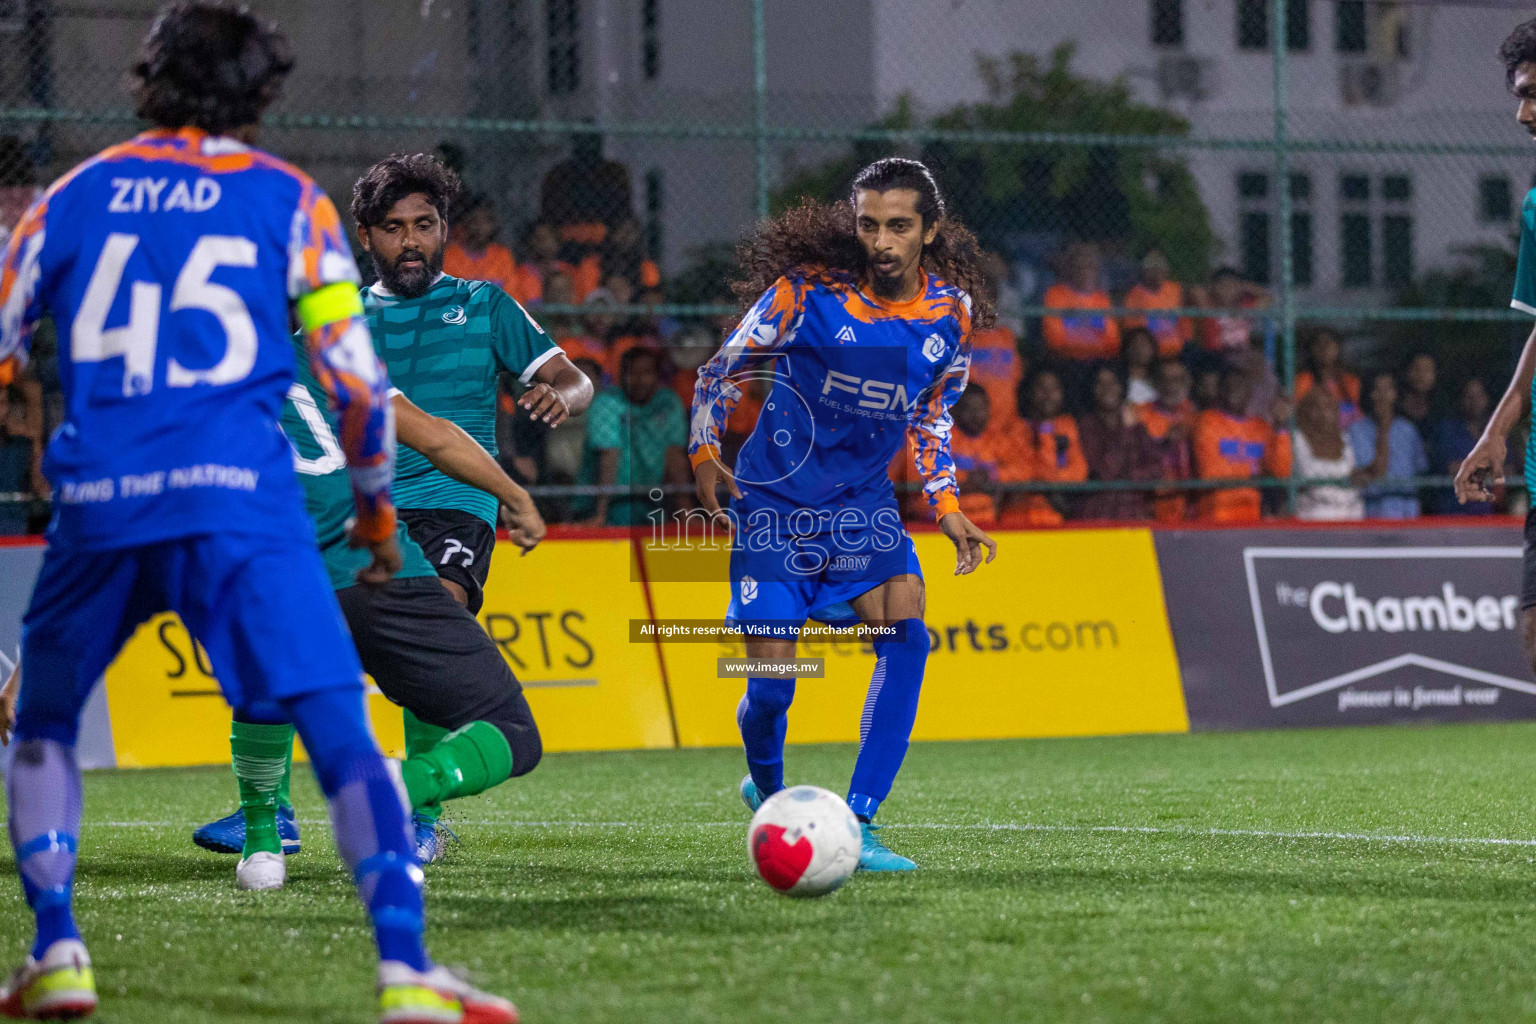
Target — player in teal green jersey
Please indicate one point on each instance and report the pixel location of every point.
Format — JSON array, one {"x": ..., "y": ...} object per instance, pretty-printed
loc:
[
  {"x": 1484, "y": 465},
  {"x": 444, "y": 341},
  {"x": 425, "y": 651}
]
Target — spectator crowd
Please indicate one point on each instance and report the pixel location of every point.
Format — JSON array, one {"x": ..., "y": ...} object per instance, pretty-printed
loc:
[{"x": 1153, "y": 398}]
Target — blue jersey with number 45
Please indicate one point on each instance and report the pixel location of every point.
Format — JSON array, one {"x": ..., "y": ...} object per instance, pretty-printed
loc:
[{"x": 169, "y": 263}]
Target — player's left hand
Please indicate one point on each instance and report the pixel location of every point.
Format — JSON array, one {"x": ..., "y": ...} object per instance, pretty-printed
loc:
[
  {"x": 968, "y": 539},
  {"x": 8, "y": 694},
  {"x": 524, "y": 526},
  {"x": 545, "y": 404}
]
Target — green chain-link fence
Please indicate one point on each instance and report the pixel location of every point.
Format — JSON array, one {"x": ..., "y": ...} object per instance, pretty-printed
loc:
[{"x": 1355, "y": 163}]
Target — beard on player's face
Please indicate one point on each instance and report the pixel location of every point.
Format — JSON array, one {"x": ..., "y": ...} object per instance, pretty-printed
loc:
[
  {"x": 886, "y": 277},
  {"x": 411, "y": 272}
]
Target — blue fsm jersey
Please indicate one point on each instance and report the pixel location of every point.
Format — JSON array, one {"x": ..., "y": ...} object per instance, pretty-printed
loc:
[
  {"x": 852, "y": 378},
  {"x": 169, "y": 263}
]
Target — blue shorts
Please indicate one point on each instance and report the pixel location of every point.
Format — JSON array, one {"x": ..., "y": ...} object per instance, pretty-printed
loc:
[
  {"x": 262, "y": 607},
  {"x": 786, "y": 579}
]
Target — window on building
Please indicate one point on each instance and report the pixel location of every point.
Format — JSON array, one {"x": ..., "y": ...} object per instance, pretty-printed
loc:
[
  {"x": 650, "y": 39},
  {"x": 562, "y": 46},
  {"x": 1397, "y": 249},
  {"x": 1253, "y": 185},
  {"x": 1301, "y": 230},
  {"x": 1254, "y": 225},
  {"x": 1167, "y": 22},
  {"x": 1255, "y": 242},
  {"x": 1495, "y": 199},
  {"x": 1396, "y": 230},
  {"x": 1355, "y": 250},
  {"x": 1298, "y": 24},
  {"x": 1349, "y": 35},
  {"x": 1301, "y": 248},
  {"x": 1355, "y": 188},
  {"x": 1253, "y": 24},
  {"x": 655, "y": 200}
]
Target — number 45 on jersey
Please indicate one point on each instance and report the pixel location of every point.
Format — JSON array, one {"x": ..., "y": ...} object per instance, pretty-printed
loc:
[{"x": 91, "y": 341}]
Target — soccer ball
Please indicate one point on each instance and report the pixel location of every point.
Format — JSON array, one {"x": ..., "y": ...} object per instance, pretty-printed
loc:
[{"x": 804, "y": 841}]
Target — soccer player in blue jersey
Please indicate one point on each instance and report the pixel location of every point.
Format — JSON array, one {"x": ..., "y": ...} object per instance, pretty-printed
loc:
[
  {"x": 1484, "y": 465},
  {"x": 171, "y": 264},
  {"x": 860, "y": 318}
]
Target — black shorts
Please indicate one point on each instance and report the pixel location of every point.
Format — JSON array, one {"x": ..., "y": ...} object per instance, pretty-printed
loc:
[
  {"x": 1528, "y": 564},
  {"x": 457, "y": 543},
  {"x": 429, "y": 655}
]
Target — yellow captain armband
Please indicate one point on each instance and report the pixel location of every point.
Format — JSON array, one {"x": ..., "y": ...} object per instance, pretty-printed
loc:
[{"x": 339, "y": 301}]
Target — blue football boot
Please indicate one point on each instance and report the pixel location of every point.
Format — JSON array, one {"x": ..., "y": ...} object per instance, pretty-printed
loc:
[
  {"x": 874, "y": 856},
  {"x": 227, "y": 835},
  {"x": 750, "y": 795},
  {"x": 432, "y": 838}
]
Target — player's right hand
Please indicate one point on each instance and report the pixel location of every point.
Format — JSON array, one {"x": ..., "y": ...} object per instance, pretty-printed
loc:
[
  {"x": 8, "y": 694},
  {"x": 705, "y": 476},
  {"x": 386, "y": 559},
  {"x": 1481, "y": 470}
]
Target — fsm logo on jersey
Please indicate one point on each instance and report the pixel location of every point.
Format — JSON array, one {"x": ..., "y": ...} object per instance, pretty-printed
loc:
[{"x": 1401, "y": 628}]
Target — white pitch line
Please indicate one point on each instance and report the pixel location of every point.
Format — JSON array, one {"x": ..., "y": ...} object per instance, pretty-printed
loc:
[{"x": 1148, "y": 830}]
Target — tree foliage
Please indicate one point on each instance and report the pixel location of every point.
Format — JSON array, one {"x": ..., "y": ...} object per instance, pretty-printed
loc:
[{"x": 1133, "y": 197}]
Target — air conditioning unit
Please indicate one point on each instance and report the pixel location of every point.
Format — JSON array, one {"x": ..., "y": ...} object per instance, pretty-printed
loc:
[
  {"x": 1181, "y": 76},
  {"x": 1370, "y": 82}
]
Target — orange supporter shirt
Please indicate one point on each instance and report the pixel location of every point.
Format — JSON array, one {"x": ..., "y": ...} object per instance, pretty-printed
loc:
[
  {"x": 1171, "y": 332},
  {"x": 582, "y": 347},
  {"x": 1079, "y": 336},
  {"x": 1345, "y": 388},
  {"x": 1170, "y": 507},
  {"x": 614, "y": 354},
  {"x": 495, "y": 265},
  {"x": 1000, "y": 454},
  {"x": 1056, "y": 457},
  {"x": 998, "y": 368},
  {"x": 1237, "y": 448}
]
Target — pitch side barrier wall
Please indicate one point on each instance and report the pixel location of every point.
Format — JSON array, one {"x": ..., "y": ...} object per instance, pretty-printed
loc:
[{"x": 1072, "y": 632}]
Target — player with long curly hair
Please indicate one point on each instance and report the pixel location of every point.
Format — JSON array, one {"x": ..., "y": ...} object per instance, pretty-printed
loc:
[{"x": 859, "y": 314}]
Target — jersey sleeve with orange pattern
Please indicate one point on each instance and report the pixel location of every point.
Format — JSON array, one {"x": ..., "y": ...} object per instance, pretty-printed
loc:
[
  {"x": 931, "y": 424},
  {"x": 20, "y": 304},
  {"x": 342, "y": 357},
  {"x": 768, "y": 326}
]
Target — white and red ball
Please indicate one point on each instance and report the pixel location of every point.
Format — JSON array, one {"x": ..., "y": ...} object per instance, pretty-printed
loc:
[{"x": 804, "y": 841}]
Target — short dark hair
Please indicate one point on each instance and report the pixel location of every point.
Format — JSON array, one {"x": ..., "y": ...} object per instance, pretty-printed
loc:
[
  {"x": 16, "y": 169},
  {"x": 209, "y": 66},
  {"x": 1234, "y": 373},
  {"x": 1519, "y": 47},
  {"x": 400, "y": 175},
  {"x": 900, "y": 172},
  {"x": 634, "y": 354}
]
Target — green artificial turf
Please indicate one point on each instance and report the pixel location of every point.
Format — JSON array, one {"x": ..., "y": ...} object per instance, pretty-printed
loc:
[{"x": 655, "y": 916}]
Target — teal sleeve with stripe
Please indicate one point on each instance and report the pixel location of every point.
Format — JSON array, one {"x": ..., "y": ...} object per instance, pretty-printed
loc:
[
  {"x": 1525, "y": 271},
  {"x": 519, "y": 342}
]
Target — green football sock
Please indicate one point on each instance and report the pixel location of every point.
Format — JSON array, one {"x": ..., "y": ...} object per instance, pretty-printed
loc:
[
  {"x": 420, "y": 738},
  {"x": 467, "y": 761},
  {"x": 284, "y": 800},
  {"x": 261, "y": 755}
]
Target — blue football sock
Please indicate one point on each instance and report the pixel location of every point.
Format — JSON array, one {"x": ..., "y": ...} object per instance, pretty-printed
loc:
[
  {"x": 43, "y": 790},
  {"x": 763, "y": 715},
  {"x": 370, "y": 818},
  {"x": 889, "y": 711}
]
